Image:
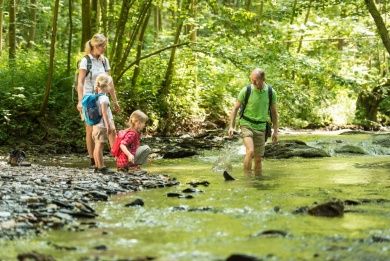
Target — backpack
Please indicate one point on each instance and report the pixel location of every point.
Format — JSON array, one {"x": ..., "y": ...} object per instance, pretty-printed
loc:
[
  {"x": 91, "y": 112},
  {"x": 116, "y": 148},
  {"x": 89, "y": 68},
  {"x": 243, "y": 106}
]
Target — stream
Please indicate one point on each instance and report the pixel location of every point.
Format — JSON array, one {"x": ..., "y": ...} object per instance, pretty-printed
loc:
[{"x": 255, "y": 216}]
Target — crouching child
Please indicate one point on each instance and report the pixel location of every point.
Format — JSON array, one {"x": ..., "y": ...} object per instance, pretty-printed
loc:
[
  {"x": 105, "y": 129},
  {"x": 127, "y": 150}
]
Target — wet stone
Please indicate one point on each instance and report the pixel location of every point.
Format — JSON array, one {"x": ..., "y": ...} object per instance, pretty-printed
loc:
[
  {"x": 49, "y": 197},
  {"x": 328, "y": 209},
  {"x": 137, "y": 202}
]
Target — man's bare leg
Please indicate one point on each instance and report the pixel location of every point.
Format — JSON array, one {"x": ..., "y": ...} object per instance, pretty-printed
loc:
[
  {"x": 248, "y": 142},
  {"x": 258, "y": 165}
]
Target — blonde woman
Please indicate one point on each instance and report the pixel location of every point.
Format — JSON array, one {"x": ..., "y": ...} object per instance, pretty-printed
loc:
[{"x": 91, "y": 66}]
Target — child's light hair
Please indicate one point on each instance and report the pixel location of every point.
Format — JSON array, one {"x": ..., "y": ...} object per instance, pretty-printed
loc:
[
  {"x": 97, "y": 39},
  {"x": 137, "y": 115},
  {"x": 104, "y": 82}
]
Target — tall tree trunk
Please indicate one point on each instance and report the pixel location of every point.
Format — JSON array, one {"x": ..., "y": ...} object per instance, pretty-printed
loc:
[
  {"x": 294, "y": 8},
  {"x": 163, "y": 92},
  {"x": 12, "y": 32},
  {"x": 380, "y": 25},
  {"x": 260, "y": 16},
  {"x": 191, "y": 28},
  {"x": 70, "y": 36},
  {"x": 85, "y": 22},
  {"x": 95, "y": 16},
  {"x": 305, "y": 22},
  {"x": 51, "y": 60},
  {"x": 33, "y": 18},
  {"x": 156, "y": 21},
  {"x": 139, "y": 49},
  {"x": 120, "y": 65},
  {"x": 103, "y": 7},
  {"x": 117, "y": 43},
  {"x": 1, "y": 26},
  {"x": 248, "y": 5}
]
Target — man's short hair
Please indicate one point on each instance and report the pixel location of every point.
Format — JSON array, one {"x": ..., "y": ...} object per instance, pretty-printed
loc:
[{"x": 259, "y": 73}]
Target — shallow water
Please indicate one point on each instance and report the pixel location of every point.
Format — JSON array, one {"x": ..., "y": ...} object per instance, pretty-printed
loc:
[{"x": 238, "y": 211}]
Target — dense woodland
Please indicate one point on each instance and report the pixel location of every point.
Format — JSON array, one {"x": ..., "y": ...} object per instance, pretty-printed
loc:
[{"x": 183, "y": 62}]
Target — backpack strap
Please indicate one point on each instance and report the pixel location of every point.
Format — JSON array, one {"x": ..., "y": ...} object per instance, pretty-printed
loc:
[
  {"x": 247, "y": 94},
  {"x": 270, "y": 100},
  {"x": 104, "y": 62},
  {"x": 89, "y": 65}
]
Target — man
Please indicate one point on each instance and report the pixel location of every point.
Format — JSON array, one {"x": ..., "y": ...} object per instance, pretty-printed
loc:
[{"x": 253, "y": 120}]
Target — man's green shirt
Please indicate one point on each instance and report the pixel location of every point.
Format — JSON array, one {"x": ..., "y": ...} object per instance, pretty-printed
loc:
[{"x": 257, "y": 107}]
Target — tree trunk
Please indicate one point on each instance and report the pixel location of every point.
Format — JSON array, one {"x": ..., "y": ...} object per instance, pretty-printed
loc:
[
  {"x": 163, "y": 92},
  {"x": 120, "y": 65},
  {"x": 32, "y": 30},
  {"x": 291, "y": 22},
  {"x": 70, "y": 36},
  {"x": 367, "y": 104},
  {"x": 117, "y": 43},
  {"x": 51, "y": 60},
  {"x": 103, "y": 7},
  {"x": 191, "y": 28},
  {"x": 1, "y": 26},
  {"x": 139, "y": 49},
  {"x": 94, "y": 16},
  {"x": 305, "y": 22},
  {"x": 380, "y": 25},
  {"x": 12, "y": 32},
  {"x": 156, "y": 21},
  {"x": 85, "y": 22},
  {"x": 248, "y": 5}
]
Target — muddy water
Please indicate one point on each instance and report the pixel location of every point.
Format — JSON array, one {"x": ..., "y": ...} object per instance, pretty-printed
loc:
[{"x": 227, "y": 217}]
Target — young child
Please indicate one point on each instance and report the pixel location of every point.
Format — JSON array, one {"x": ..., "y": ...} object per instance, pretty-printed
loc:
[
  {"x": 131, "y": 154},
  {"x": 106, "y": 127}
]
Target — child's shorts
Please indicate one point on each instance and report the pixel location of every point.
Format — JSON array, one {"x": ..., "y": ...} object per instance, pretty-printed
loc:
[{"x": 100, "y": 134}]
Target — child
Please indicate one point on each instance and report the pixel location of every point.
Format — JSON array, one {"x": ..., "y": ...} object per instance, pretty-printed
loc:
[
  {"x": 106, "y": 127},
  {"x": 131, "y": 154}
]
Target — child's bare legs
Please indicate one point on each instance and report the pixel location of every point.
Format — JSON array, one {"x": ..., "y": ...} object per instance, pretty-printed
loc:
[
  {"x": 111, "y": 138},
  {"x": 98, "y": 154}
]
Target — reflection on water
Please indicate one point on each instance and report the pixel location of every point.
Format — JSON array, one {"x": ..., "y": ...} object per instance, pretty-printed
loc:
[{"x": 224, "y": 218}]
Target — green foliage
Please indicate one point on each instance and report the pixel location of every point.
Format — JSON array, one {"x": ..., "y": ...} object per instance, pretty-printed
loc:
[{"x": 340, "y": 56}]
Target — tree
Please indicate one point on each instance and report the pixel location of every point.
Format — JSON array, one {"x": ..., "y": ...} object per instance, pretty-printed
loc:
[
  {"x": 33, "y": 25},
  {"x": 85, "y": 22},
  {"x": 51, "y": 59},
  {"x": 1, "y": 26},
  {"x": 12, "y": 31},
  {"x": 70, "y": 36},
  {"x": 382, "y": 30}
]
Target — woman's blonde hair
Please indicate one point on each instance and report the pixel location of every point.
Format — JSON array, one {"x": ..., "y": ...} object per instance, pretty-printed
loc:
[
  {"x": 104, "y": 82},
  {"x": 97, "y": 39},
  {"x": 137, "y": 116}
]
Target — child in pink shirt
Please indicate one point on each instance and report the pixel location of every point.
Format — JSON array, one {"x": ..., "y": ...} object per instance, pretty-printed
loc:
[{"x": 131, "y": 154}]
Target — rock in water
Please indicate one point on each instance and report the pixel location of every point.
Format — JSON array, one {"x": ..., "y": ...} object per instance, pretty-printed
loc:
[
  {"x": 328, "y": 209},
  {"x": 241, "y": 257},
  {"x": 137, "y": 202},
  {"x": 227, "y": 176}
]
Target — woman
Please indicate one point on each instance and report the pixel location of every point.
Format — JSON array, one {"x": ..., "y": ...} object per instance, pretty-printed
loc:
[{"x": 91, "y": 65}]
